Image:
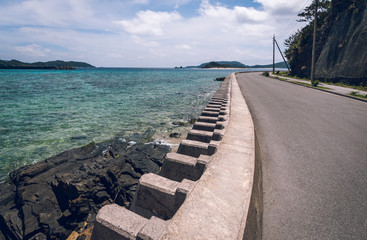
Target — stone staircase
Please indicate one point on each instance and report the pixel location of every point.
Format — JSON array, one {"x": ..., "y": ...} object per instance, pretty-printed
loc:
[{"x": 158, "y": 197}]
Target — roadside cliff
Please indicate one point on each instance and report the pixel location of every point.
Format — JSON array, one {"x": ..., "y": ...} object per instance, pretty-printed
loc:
[{"x": 344, "y": 54}]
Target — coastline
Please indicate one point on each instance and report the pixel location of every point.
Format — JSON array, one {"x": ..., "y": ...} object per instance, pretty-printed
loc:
[
  {"x": 47, "y": 112},
  {"x": 63, "y": 193}
]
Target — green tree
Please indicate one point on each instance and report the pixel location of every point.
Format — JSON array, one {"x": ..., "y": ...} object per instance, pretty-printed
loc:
[
  {"x": 324, "y": 7},
  {"x": 299, "y": 45}
]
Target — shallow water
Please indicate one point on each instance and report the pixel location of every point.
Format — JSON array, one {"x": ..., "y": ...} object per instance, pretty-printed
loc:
[{"x": 45, "y": 112}]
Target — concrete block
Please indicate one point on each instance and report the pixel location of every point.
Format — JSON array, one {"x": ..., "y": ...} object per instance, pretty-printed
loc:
[
  {"x": 213, "y": 146},
  {"x": 217, "y": 107},
  {"x": 212, "y": 109},
  {"x": 178, "y": 167},
  {"x": 193, "y": 148},
  {"x": 209, "y": 114},
  {"x": 159, "y": 196},
  {"x": 153, "y": 229},
  {"x": 115, "y": 222},
  {"x": 199, "y": 135},
  {"x": 204, "y": 160},
  {"x": 218, "y": 99},
  {"x": 220, "y": 125},
  {"x": 223, "y": 112},
  {"x": 218, "y": 134},
  {"x": 222, "y": 118},
  {"x": 204, "y": 126},
  {"x": 215, "y": 102},
  {"x": 208, "y": 119}
]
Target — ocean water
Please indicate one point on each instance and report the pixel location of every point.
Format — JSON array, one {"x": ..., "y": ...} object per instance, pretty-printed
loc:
[{"x": 45, "y": 112}]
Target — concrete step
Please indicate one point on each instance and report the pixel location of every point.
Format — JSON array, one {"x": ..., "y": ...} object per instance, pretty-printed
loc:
[
  {"x": 195, "y": 148},
  {"x": 217, "y": 99},
  {"x": 208, "y": 119},
  {"x": 218, "y": 134},
  {"x": 159, "y": 196},
  {"x": 212, "y": 109},
  {"x": 223, "y": 112},
  {"x": 214, "y": 106},
  {"x": 199, "y": 135},
  {"x": 179, "y": 166},
  {"x": 115, "y": 222},
  {"x": 205, "y": 136},
  {"x": 216, "y": 102},
  {"x": 209, "y": 114},
  {"x": 204, "y": 126},
  {"x": 208, "y": 126}
]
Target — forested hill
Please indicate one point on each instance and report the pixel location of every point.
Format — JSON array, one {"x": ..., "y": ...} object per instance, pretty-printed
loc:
[
  {"x": 220, "y": 64},
  {"x": 341, "y": 49},
  {"x": 276, "y": 65},
  {"x": 235, "y": 64},
  {"x": 15, "y": 64}
]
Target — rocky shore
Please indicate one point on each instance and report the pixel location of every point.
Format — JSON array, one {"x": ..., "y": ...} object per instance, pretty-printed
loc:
[{"x": 62, "y": 194}]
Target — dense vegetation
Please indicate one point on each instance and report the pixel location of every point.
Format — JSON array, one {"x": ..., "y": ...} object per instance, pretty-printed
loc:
[
  {"x": 340, "y": 48},
  {"x": 235, "y": 64},
  {"x": 221, "y": 64},
  {"x": 299, "y": 45},
  {"x": 277, "y": 65},
  {"x": 14, "y": 64}
]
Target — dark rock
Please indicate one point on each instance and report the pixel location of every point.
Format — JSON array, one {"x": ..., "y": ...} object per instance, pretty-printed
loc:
[
  {"x": 175, "y": 135},
  {"x": 50, "y": 199},
  {"x": 192, "y": 120},
  {"x": 179, "y": 123},
  {"x": 82, "y": 237}
]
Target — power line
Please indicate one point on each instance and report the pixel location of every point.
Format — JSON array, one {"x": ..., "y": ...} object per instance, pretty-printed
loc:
[
  {"x": 286, "y": 28},
  {"x": 291, "y": 21},
  {"x": 289, "y": 26}
]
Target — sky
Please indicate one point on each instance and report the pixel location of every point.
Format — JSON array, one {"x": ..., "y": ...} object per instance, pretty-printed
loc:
[{"x": 146, "y": 33}]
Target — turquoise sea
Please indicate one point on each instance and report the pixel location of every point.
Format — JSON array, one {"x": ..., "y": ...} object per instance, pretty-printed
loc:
[{"x": 45, "y": 112}]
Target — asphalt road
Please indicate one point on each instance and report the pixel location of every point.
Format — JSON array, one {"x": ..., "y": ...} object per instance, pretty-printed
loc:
[{"x": 314, "y": 159}]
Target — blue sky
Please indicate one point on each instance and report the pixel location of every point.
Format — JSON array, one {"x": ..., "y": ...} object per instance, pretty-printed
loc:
[{"x": 145, "y": 33}]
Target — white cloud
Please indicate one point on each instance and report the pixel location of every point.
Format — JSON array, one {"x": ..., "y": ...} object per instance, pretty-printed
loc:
[
  {"x": 240, "y": 14},
  {"x": 180, "y": 3},
  {"x": 249, "y": 14},
  {"x": 149, "y": 22},
  {"x": 140, "y": 1},
  {"x": 33, "y": 49},
  {"x": 145, "y": 43},
  {"x": 283, "y": 7},
  {"x": 76, "y": 30},
  {"x": 184, "y": 47}
]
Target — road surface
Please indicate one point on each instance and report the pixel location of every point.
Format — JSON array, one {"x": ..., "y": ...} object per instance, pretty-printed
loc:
[{"x": 314, "y": 158}]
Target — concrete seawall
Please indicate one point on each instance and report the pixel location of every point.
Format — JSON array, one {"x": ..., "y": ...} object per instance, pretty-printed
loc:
[{"x": 204, "y": 191}]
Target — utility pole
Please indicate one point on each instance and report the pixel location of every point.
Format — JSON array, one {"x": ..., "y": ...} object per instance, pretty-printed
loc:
[
  {"x": 314, "y": 45},
  {"x": 273, "y": 53},
  {"x": 289, "y": 70}
]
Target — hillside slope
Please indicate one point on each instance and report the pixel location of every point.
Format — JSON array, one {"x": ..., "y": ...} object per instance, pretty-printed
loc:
[
  {"x": 15, "y": 64},
  {"x": 344, "y": 55}
]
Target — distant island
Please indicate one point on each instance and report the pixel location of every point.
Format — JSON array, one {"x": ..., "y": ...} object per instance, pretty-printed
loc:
[
  {"x": 235, "y": 64},
  {"x": 15, "y": 64},
  {"x": 220, "y": 64}
]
